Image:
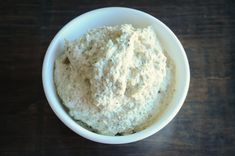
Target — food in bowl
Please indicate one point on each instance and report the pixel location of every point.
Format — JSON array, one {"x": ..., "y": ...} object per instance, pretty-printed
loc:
[{"x": 115, "y": 80}]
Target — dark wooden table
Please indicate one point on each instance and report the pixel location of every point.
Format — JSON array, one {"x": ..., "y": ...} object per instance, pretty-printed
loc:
[{"x": 204, "y": 126}]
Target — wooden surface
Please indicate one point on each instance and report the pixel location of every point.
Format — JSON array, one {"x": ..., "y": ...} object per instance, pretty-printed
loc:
[{"x": 204, "y": 126}]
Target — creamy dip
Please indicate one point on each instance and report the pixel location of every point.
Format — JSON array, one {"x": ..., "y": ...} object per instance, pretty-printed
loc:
[{"x": 114, "y": 79}]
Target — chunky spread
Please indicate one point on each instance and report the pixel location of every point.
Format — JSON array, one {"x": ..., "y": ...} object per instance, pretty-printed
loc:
[{"x": 114, "y": 79}]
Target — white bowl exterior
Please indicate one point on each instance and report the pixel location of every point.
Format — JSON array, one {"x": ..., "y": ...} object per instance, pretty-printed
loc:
[{"x": 116, "y": 16}]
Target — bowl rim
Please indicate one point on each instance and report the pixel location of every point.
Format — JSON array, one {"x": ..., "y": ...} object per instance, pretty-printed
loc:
[{"x": 103, "y": 138}]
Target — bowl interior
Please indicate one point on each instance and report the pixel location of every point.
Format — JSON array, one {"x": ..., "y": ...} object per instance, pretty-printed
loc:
[{"x": 110, "y": 17}]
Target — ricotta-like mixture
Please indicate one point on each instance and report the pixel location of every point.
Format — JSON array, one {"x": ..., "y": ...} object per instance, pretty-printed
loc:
[{"x": 114, "y": 79}]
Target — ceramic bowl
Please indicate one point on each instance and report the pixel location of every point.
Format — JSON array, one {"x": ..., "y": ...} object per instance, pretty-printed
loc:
[{"x": 109, "y": 17}]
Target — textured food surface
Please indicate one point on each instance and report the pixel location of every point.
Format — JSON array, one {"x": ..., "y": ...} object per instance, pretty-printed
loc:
[{"x": 114, "y": 79}]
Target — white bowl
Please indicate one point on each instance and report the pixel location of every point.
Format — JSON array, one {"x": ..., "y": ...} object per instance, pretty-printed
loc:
[{"x": 117, "y": 16}]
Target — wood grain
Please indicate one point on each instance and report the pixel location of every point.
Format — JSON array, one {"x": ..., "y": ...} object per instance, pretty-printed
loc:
[{"x": 205, "y": 124}]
